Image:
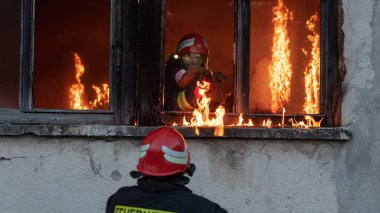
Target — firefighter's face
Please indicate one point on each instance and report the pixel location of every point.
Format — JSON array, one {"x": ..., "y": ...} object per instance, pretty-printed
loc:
[{"x": 195, "y": 59}]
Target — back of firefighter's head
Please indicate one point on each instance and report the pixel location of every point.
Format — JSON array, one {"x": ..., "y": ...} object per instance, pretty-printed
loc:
[
  {"x": 164, "y": 152},
  {"x": 193, "y": 50}
]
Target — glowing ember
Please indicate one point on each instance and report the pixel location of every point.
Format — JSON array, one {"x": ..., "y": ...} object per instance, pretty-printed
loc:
[
  {"x": 312, "y": 72},
  {"x": 280, "y": 68},
  {"x": 77, "y": 93}
]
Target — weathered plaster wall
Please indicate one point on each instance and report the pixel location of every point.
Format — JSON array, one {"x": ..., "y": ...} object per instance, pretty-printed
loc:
[
  {"x": 358, "y": 168},
  {"x": 77, "y": 175}
]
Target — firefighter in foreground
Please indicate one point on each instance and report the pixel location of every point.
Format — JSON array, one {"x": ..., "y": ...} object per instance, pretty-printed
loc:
[
  {"x": 164, "y": 160},
  {"x": 185, "y": 69}
]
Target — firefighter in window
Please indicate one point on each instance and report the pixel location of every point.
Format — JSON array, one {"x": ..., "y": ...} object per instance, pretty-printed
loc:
[
  {"x": 187, "y": 67},
  {"x": 164, "y": 161}
]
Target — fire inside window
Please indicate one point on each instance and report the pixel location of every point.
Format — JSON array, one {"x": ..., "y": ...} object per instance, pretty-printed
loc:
[
  {"x": 285, "y": 79},
  {"x": 71, "y": 55}
]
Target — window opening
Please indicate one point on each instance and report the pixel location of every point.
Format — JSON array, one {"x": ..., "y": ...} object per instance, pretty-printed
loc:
[
  {"x": 285, "y": 76},
  {"x": 72, "y": 54},
  {"x": 285, "y": 57},
  {"x": 9, "y": 53},
  {"x": 214, "y": 21}
]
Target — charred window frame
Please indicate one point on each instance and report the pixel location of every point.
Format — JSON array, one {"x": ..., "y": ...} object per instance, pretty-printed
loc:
[
  {"x": 152, "y": 26},
  {"x": 121, "y": 70}
]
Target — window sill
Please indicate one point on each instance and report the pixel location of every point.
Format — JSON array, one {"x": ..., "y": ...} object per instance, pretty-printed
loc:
[{"x": 94, "y": 130}]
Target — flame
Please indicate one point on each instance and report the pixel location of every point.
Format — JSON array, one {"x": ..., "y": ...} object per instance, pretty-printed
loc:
[
  {"x": 201, "y": 114},
  {"x": 310, "y": 122},
  {"x": 102, "y": 99},
  {"x": 196, "y": 130},
  {"x": 218, "y": 121},
  {"x": 77, "y": 93},
  {"x": 312, "y": 71},
  {"x": 267, "y": 123},
  {"x": 77, "y": 89},
  {"x": 240, "y": 120},
  {"x": 184, "y": 122},
  {"x": 250, "y": 123},
  {"x": 280, "y": 68}
]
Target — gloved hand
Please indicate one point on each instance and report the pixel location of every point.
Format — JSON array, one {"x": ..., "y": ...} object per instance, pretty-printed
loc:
[
  {"x": 219, "y": 76},
  {"x": 217, "y": 92}
]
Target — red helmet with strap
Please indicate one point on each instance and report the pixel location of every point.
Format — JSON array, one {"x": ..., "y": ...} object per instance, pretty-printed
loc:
[
  {"x": 163, "y": 152},
  {"x": 192, "y": 43}
]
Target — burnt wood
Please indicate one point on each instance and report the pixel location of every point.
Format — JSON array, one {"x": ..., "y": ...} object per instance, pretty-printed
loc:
[
  {"x": 150, "y": 62},
  {"x": 337, "y": 97},
  {"x": 116, "y": 61},
  {"x": 129, "y": 61},
  {"x": 110, "y": 132},
  {"x": 17, "y": 117},
  {"x": 243, "y": 23},
  {"x": 26, "y": 60},
  {"x": 333, "y": 79}
]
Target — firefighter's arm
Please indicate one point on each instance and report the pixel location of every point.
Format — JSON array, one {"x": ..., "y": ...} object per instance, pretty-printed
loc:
[
  {"x": 217, "y": 93},
  {"x": 189, "y": 76}
]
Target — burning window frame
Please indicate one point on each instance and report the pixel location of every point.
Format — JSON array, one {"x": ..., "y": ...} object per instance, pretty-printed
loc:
[
  {"x": 137, "y": 54},
  {"x": 332, "y": 66},
  {"x": 122, "y": 83}
]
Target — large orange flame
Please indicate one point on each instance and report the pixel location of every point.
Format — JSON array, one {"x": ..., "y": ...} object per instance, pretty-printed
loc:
[
  {"x": 201, "y": 114},
  {"x": 312, "y": 71},
  {"x": 77, "y": 89},
  {"x": 77, "y": 92},
  {"x": 280, "y": 69}
]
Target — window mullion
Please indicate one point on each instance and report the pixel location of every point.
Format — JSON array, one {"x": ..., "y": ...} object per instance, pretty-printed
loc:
[
  {"x": 241, "y": 59},
  {"x": 27, "y": 45}
]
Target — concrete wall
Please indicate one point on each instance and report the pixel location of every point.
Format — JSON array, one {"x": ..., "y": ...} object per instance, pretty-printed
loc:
[
  {"x": 77, "y": 175},
  {"x": 358, "y": 167},
  {"x": 39, "y": 174}
]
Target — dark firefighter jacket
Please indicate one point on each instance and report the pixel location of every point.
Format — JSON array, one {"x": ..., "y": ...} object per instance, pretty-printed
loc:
[
  {"x": 160, "y": 196},
  {"x": 171, "y": 87}
]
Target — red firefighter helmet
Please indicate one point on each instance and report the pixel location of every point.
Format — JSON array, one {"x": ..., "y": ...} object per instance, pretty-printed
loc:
[
  {"x": 163, "y": 152},
  {"x": 192, "y": 43}
]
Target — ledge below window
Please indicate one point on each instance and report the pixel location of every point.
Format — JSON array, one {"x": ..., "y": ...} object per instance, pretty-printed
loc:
[{"x": 94, "y": 130}]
